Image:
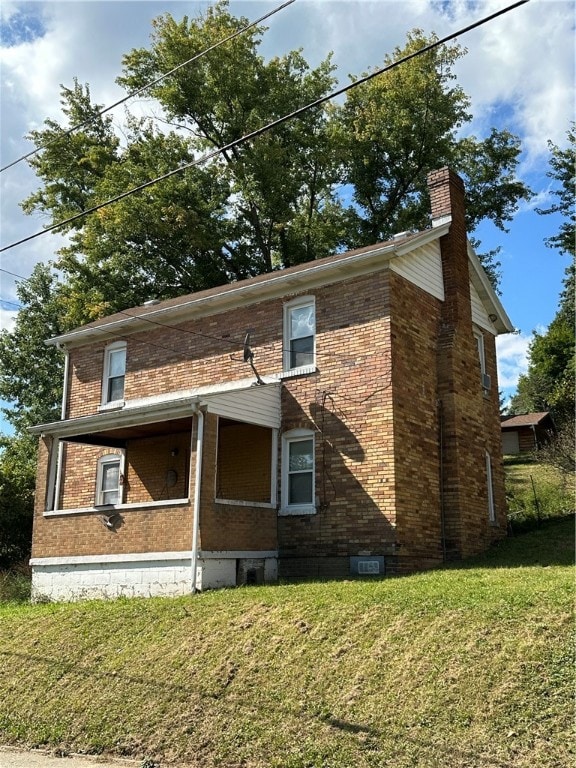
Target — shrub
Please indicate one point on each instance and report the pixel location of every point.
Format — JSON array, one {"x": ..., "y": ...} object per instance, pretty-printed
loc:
[{"x": 15, "y": 585}]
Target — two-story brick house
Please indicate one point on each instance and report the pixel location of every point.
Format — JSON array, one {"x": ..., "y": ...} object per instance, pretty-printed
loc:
[{"x": 334, "y": 418}]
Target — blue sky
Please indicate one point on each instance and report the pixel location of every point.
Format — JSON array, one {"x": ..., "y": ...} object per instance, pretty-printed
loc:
[{"x": 519, "y": 74}]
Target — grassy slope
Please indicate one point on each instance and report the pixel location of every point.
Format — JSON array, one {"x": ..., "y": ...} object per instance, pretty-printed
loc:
[{"x": 468, "y": 666}]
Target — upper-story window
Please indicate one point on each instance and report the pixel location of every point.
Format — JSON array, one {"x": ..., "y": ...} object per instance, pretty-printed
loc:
[
  {"x": 108, "y": 480},
  {"x": 114, "y": 373},
  {"x": 485, "y": 378},
  {"x": 299, "y": 334}
]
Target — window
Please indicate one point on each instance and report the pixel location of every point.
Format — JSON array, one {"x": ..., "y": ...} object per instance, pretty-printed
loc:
[
  {"x": 108, "y": 480},
  {"x": 299, "y": 334},
  {"x": 491, "y": 508},
  {"x": 484, "y": 377},
  {"x": 298, "y": 472},
  {"x": 114, "y": 373}
]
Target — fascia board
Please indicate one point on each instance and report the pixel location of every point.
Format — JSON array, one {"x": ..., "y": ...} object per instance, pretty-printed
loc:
[
  {"x": 487, "y": 294},
  {"x": 114, "y": 419},
  {"x": 277, "y": 285}
]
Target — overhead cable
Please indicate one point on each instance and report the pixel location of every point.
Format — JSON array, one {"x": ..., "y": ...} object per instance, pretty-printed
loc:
[
  {"x": 146, "y": 87},
  {"x": 269, "y": 126}
]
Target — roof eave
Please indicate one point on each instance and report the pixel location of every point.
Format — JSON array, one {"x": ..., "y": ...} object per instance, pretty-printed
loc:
[{"x": 246, "y": 292}]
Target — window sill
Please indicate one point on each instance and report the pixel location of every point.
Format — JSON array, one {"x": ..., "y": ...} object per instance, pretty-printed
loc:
[
  {"x": 304, "y": 370},
  {"x": 109, "y": 508},
  {"x": 241, "y": 503},
  {"x": 295, "y": 511},
  {"x": 113, "y": 405}
]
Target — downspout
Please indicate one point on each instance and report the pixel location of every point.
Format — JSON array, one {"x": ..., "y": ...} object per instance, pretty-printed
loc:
[
  {"x": 58, "y": 484},
  {"x": 197, "y": 488}
]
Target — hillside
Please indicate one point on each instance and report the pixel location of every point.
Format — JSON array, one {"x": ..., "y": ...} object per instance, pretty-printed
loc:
[{"x": 468, "y": 666}]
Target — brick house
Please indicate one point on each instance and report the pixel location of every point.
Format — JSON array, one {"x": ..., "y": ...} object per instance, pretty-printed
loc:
[{"x": 354, "y": 430}]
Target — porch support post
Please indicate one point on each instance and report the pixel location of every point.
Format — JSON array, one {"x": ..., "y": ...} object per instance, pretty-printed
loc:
[{"x": 197, "y": 489}]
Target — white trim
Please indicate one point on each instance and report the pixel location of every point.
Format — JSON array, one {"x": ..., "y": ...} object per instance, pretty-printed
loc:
[
  {"x": 109, "y": 458},
  {"x": 296, "y": 435},
  {"x": 148, "y": 410},
  {"x": 490, "y": 487},
  {"x": 302, "y": 371},
  {"x": 115, "y": 346},
  {"x": 237, "y": 554},
  {"x": 300, "y": 302},
  {"x": 116, "y": 507},
  {"x": 153, "y": 557},
  {"x": 132, "y": 557}
]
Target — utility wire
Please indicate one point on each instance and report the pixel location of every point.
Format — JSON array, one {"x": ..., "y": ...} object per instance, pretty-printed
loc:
[
  {"x": 269, "y": 126},
  {"x": 145, "y": 87}
]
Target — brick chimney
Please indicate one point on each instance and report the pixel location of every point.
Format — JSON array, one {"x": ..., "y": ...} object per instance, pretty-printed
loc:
[
  {"x": 446, "y": 191},
  {"x": 456, "y": 357}
]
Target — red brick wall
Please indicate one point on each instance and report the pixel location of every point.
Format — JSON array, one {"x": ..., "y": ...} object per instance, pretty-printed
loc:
[
  {"x": 230, "y": 526},
  {"x": 348, "y": 404},
  {"x": 415, "y": 326}
]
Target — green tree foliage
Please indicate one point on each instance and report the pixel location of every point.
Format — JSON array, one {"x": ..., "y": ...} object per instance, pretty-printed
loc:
[
  {"x": 267, "y": 203},
  {"x": 17, "y": 481},
  {"x": 30, "y": 371},
  {"x": 563, "y": 172},
  {"x": 399, "y": 126},
  {"x": 31, "y": 382},
  {"x": 550, "y": 380}
]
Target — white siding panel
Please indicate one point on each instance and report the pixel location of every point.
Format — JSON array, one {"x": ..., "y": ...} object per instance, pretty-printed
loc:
[
  {"x": 479, "y": 313},
  {"x": 423, "y": 267},
  {"x": 258, "y": 405}
]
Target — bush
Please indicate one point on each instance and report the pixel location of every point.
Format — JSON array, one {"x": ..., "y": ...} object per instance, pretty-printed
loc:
[{"x": 15, "y": 585}]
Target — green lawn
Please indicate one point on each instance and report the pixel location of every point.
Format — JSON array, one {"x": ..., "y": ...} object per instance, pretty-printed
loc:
[{"x": 467, "y": 667}]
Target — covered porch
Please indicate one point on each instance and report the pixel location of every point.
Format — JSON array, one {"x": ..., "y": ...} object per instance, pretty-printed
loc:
[{"x": 179, "y": 493}]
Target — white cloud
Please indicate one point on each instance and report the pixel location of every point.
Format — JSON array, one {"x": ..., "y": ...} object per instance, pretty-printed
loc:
[
  {"x": 512, "y": 354},
  {"x": 7, "y": 318}
]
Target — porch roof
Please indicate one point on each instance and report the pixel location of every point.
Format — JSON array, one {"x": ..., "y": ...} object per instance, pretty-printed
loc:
[{"x": 145, "y": 417}]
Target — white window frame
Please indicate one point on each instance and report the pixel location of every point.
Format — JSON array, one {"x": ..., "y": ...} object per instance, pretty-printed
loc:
[
  {"x": 288, "y": 439},
  {"x": 299, "y": 303},
  {"x": 484, "y": 377},
  {"x": 479, "y": 336},
  {"x": 107, "y": 459},
  {"x": 108, "y": 352},
  {"x": 490, "y": 488}
]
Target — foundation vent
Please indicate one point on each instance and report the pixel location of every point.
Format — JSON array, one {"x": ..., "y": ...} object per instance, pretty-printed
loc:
[{"x": 367, "y": 566}]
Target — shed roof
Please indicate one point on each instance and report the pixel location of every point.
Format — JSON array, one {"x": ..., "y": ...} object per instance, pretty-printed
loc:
[{"x": 524, "y": 420}]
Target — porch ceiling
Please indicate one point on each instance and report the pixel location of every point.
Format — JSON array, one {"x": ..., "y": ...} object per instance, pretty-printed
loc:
[{"x": 119, "y": 437}]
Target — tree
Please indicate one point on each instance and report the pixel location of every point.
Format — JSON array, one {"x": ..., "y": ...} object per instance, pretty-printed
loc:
[
  {"x": 30, "y": 371},
  {"x": 405, "y": 123},
  {"x": 549, "y": 382},
  {"x": 17, "y": 481},
  {"x": 270, "y": 202},
  {"x": 563, "y": 171},
  {"x": 280, "y": 183},
  {"x": 31, "y": 381}
]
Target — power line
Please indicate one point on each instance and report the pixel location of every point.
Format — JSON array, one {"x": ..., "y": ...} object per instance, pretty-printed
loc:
[
  {"x": 269, "y": 126},
  {"x": 147, "y": 86}
]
